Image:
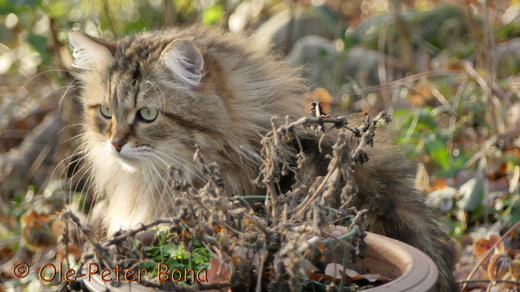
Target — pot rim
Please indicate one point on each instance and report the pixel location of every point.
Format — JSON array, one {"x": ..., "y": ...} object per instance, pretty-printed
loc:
[{"x": 419, "y": 272}]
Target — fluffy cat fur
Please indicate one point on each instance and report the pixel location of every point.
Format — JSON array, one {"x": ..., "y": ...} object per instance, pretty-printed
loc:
[{"x": 218, "y": 91}]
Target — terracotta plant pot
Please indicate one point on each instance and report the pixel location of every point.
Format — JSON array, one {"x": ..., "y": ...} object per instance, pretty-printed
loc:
[{"x": 411, "y": 269}]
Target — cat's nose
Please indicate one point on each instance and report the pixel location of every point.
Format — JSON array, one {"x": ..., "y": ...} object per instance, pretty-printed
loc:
[{"x": 117, "y": 145}]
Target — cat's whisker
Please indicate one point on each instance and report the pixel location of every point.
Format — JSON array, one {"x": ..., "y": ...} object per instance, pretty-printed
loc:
[
  {"x": 24, "y": 85},
  {"x": 148, "y": 178},
  {"x": 71, "y": 193},
  {"x": 175, "y": 157},
  {"x": 156, "y": 156},
  {"x": 165, "y": 187},
  {"x": 74, "y": 84},
  {"x": 161, "y": 103},
  {"x": 59, "y": 163},
  {"x": 84, "y": 192},
  {"x": 75, "y": 137},
  {"x": 86, "y": 171},
  {"x": 75, "y": 152},
  {"x": 88, "y": 167},
  {"x": 176, "y": 160},
  {"x": 70, "y": 126},
  {"x": 76, "y": 161},
  {"x": 83, "y": 198},
  {"x": 74, "y": 170},
  {"x": 50, "y": 92},
  {"x": 157, "y": 89}
]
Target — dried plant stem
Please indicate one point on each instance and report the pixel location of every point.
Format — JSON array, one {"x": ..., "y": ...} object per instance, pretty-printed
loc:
[
  {"x": 401, "y": 82},
  {"x": 488, "y": 281},
  {"x": 490, "y": 250},
  {"x": 405, "y": 35},
  {"x": 256, "y": 222},
  {"x": 260, "y": 271},
  {"x": 100, "y": 251},
  {"x": 118, "y": 238},
  {"x": 368, "y": 137},
  {"x": 306, "y": 204},
  {"x": 340, "y": 122}
]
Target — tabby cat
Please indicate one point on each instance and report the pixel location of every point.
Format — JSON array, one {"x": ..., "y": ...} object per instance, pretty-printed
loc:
[{"x": 148, "y": 99}]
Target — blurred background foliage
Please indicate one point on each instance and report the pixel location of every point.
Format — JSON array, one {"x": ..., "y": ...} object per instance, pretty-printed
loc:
[{"x": 447, "y": 71}]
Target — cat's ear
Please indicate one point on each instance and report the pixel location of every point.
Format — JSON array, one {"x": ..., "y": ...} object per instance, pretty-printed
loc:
[
  {"x": 89, "y": 52},
  {"x": 185, "y": 61}
]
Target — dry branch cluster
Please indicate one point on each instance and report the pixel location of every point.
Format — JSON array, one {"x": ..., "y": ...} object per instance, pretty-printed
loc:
[{"x": 273, "y": 241}]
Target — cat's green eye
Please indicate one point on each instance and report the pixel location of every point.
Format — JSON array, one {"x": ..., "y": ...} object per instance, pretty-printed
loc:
[
  {"x": 105, "y": 111},
  {"x": 148, "y": 114}
]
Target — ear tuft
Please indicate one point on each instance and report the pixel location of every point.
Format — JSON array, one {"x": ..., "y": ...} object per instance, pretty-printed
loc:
[
  {"x": 88, "y": 52},
  {"x": 185, "y": 61}
]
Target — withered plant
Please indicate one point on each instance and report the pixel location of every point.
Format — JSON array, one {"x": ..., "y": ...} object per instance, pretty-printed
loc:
[{"x": 272, "y": 241}]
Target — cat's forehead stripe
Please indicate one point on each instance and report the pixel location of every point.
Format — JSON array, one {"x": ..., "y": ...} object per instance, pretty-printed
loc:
[
  {"x": 131, "y": 52},
  {"x": 131, "y": 56}
]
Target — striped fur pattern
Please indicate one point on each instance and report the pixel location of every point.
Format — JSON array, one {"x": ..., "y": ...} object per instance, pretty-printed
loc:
[{"x": 218, "y": 91}]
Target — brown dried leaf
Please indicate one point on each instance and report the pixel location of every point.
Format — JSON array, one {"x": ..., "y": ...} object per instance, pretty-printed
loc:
[
  {"x": 217, "y": 271},
  {"x": 322, "y": 95},
  {"x": 421, "y": 94},
  {"x": 72, "y": 249},
  {"x": 5, "y": 253},
  {"x": 482, "y": 245},
  {"x": 499, "y": 266},
  {"x": 437, "y": 184},
  {"x": 499, "y": 173},
  {"x": 41, "y": 231},
  {"x": 320, "y": 277},
  {"x": 422, "y": 179}
]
